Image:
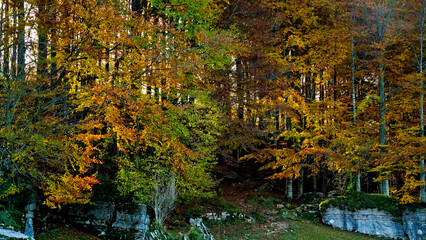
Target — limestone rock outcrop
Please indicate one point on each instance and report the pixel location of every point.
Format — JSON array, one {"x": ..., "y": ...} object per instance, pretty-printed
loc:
[
  {"x": 368, "y": 221},
  {"x": 108, "y": 220},
  {"x": 412, "y": 224}
]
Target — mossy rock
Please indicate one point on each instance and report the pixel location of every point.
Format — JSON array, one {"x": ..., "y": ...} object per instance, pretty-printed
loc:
[{"x": 359, "y": 200}]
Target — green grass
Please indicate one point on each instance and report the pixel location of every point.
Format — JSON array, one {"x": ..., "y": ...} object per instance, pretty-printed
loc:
[
  {"x": 297, "y": 230},
  {"x": 307, "y": 231}
]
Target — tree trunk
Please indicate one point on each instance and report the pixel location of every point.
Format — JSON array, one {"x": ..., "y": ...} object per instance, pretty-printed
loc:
[
  {"x": 14, "y": 42},
  {"x": 289, "y": 188},
  {"x": 6, "y": 38},
  {"x": 314, "y": 183},
  {"x": 42, "y": 45},
  {"x": 21, "y": 44},
  {"x": 384, "y": 19},
  {"x": 53, "y": 67},
  {"x": 382, "y": 131},
  {"x": 301, "y": 178},
  {"x": 358, "y": 174},
  {"x": 239, "y": 91},
  {"x": 29, "y": 212},
  {"x": 1, "y": 31},
  {"x": 422, "y": 127}
]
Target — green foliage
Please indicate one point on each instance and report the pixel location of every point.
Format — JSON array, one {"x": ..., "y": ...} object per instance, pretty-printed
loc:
[
  {"x": 191, "y": 16},
  {"x": 195, "y": 234},
  {"x": 359, "y": 200},
  {"x": 11, "y": 215},
  {"x": 11, "y": 218},
  {"x": 180, "y": 139}
]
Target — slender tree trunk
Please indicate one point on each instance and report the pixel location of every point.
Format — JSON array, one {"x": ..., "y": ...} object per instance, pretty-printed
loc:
[
  {"x": 239, "y": 91},
  {"x": 288, "y": 124},
  {"x": 1, "y": 33},
  {"x": 384, "y": 19},
  {"x": 14, "y": 37},
  {"x": 14, "y": 41},
  {"x": 422, "y": 127},
  {"x": 53, "y": 66},
  {"x": 382, "y": 131},
  {"x": 335, "y": 92},
  {"x": 6, "y": 38},
  {"x": 21, "y": 44},
  {"x": 42, "y": 45},
  {"x": 32, "y": 198},
  {"x": 314, "y": 182},
  {"x": 354, "y": 108},
  {"x": 422, "y": 161},
  {"x": 6, "y": 72},
  {"x": 289, "y": 188},
  {"x": 301, "y": 181}
]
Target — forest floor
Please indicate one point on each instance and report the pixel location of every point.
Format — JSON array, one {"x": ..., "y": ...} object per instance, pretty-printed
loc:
[{"x": 266, "y": 216}]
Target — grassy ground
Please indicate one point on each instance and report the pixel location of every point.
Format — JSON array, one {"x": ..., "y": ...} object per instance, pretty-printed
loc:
[
  {"x": 296, "y": 230},
  {"x": 280, "y": 230}
]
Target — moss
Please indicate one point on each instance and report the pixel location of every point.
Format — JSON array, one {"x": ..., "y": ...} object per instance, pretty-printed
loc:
[
  {"x": 411, "y": 207},
  {"x": 359, "y": 200}
]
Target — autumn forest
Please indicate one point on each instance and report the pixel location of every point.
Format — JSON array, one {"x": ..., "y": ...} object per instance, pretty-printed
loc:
[{"x": 319, "y": 95}]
